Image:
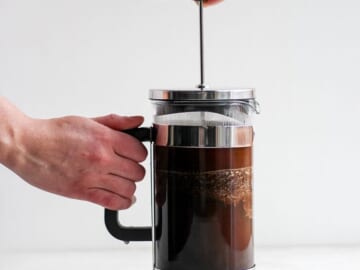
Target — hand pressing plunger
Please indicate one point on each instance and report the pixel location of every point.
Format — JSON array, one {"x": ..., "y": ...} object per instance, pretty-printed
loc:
[
  {"x": 210, "y": 2},
  {"x": 82, "y": 158}
]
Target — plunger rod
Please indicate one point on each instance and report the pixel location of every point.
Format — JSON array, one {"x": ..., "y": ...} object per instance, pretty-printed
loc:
[{"x": 202, "y": 67}]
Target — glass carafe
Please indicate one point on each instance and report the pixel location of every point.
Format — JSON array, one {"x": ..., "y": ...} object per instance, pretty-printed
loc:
[{"x": 202, "y": 178}]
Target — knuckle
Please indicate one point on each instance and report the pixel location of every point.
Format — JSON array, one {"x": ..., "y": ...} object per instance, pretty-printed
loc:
[
  {"x": 110, "y": 201},
  {"x": 111, "y": 116},
  {"x": 98, "y": 155},
  {"x": 140, "y": 173},
  {"x": 137, "y": 172},
  {"x": 104, "y": 199},
  {"x": 124, "y": 204},
  {"x": 142, "y": 155},
  {"x": 133, "y": 170},
  {"x": 132, "y": 148},
  {"x": 94, "y": 155},
  {"x": 129, "y": 189}
]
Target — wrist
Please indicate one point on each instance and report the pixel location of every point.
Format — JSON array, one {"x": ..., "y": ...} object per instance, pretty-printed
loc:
[{"x": 12, "y": 125}]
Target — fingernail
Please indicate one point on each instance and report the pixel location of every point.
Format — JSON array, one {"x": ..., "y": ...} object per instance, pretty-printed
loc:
[{"x": 133, "y": 200}]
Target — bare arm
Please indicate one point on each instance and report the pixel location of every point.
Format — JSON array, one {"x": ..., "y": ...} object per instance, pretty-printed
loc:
[{"x": 76, "y": 157}]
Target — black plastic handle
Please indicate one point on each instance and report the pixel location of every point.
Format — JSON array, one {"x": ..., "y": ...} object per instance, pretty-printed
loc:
[
  {"x": 142, "y": 134},
  {"x": 112, "y": 224},
  {"x": 123, "y": 233}
]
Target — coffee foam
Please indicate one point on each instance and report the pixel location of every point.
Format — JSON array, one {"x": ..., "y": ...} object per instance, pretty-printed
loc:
[{"x": 230, "y": 186}]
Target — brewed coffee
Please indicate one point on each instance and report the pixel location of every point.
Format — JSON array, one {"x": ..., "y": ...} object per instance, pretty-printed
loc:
[{"x": 203, "y": 208}]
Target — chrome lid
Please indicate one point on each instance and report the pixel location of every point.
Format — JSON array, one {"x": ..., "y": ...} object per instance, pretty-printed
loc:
[{"x": 204, "y": 95}]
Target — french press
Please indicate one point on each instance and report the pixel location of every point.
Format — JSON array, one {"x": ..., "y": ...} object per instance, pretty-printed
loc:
[{"x": 201, "y": 180}]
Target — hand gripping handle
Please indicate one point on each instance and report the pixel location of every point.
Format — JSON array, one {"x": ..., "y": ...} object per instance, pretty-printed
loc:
[{"x": 114, "y": 227}]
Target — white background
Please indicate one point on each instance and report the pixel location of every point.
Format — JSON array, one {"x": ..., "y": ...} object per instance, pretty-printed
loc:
[{"x": 90, "y": 58}]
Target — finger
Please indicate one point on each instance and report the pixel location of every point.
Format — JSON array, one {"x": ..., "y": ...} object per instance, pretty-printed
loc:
[
  {"x": 207, "y": 3},
  {"x": 128, "y": 169},
  {"x": 108, "y": 199},
  {"x": 118, "y": 122},
  {"x": 121, "y": 186},
  {"x": 127, "y": 146}
]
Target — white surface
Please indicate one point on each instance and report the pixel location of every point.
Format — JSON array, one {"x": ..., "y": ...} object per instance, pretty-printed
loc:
[
  {"x": 92, "y": 57},
  {"x": 289, "y": 258}
]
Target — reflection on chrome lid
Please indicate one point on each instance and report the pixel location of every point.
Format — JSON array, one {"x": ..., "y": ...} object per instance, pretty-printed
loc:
[{"x": 199, "y": 136}]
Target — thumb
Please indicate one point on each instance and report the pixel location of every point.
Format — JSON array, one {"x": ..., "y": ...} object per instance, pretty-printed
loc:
[{"x": 118, "y": 122}]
